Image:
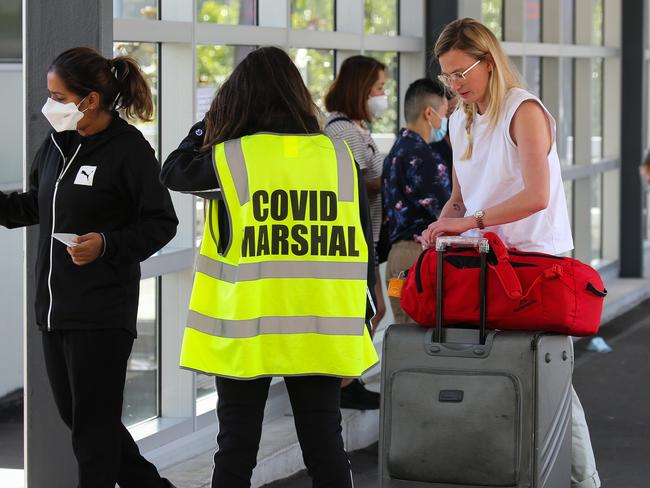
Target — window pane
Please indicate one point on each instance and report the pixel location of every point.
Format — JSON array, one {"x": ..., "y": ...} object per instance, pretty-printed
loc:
[
  {"x": 237, "y": 12},
  {"x": 135, "y": 9},
  {"x": 565, "y": 122},
  {"x": 493, "y": 16},
  {"x": 146, "y": 54},
  {"x": 381, "y": 17},
  {"x": 312, "y": 14},
  {"x": 597, "y": 109},
  {"x": 214, "y": 64},
  {"x": 317, "y": 69},
  {"x": 141, "y": 389},
  {"x": 568, "y": 26},
  {"x": 11, "y": 38},
  {"x": 596, "y": 216},
  {"x": 387, "y": 123},
  {"x": 598, "y": 23},
  {"x": 533, "y": 74},
  {"x": 568, "y": 192},
  {"x": 646, "y": 212},
  {"x": 533, "y": 18},
  {"x": 11, "y": 127}
]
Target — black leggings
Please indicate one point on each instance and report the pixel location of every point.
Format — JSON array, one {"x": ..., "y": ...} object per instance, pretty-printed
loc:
[
  {"x": 87, "y": 370},
  {"x": 315, "y": 401}
]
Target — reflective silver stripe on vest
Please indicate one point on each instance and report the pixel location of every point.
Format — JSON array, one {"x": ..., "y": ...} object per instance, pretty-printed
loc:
[
  {"x": 345, "y": 168},
  {"x": 237, "y": 164},
  {"x": 239, "y": 329},
  {"x": 281, "y": 269}
]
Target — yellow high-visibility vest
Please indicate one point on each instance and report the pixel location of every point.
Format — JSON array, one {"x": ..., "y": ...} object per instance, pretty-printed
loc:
[{"x": 287, "y": 294}]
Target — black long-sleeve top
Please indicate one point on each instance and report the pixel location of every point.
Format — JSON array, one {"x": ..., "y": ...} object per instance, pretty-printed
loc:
[{"x": 106, "y": 183}]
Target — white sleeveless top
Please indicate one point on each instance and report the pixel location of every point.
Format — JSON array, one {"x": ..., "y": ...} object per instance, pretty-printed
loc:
[{"x": 493, "y": 174}]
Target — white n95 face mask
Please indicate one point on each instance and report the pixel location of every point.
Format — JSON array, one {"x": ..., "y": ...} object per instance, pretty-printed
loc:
[
  {"x": 62, "y": 116},
  {"x": 378, "y": 105}
]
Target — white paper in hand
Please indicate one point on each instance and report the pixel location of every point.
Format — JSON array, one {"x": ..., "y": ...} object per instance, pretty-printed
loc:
[{"x": 65, "y": 238}]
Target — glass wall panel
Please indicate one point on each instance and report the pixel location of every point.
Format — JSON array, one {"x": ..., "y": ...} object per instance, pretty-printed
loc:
[
  {"x": 387, "y": 123},
  {"x": 565, "y": 122},
  {"x": 533, "y": 74},
  {"x": 492, "y": 11},
  {"x": 382, "y": 17},
  {"x": 596, "y": 109},
  {"x": 146, "y": 54},
  {"x": 597, "y": 37},
  {"x": 317, "y": 69},
  {"x": 312, "y": 14},
  {"x": 11, "y": 37},
  {"x": 135, "y": 9},
  {"x": 214, "y": 64},
  {"x": 533, "y": 14},
  {"x": 646, "y": 213},
  {"x": 568, "y": 192},
  {"x": 568, "y": 21},
  {"x": 141, "y": 391},
  {"x": 237, "y": 12},
  {"x": 597, "y": 217}
]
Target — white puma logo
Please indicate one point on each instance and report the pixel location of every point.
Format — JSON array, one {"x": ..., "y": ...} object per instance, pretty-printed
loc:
[{"x": 85, "y": 176}]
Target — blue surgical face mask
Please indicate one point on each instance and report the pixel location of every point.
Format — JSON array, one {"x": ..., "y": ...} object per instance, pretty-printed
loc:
[{"x": 439, "y": 134}]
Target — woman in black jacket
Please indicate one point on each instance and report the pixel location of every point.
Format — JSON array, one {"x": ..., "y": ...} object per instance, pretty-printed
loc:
[{"x": 96, "y": 177}]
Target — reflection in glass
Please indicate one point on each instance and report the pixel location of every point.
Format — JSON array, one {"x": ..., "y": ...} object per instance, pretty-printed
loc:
[
  {"x": 596, "y": 109},
  {"x": 597, "y": 217},
  {"x": 237, "y": 12},
  {"x": 135, "y": 9},
  {"x": 565, "y": 120},
  {"x": 146, "y": 54},
  {"x": 381, "y": 17},
  {"x": 493, "y": 16},
  {"x": 312, "y": 14},
  {"x": 141, "y": 389},
  {"x": 533, "y": 74},
  {"x": 317, "y": 69},
  {"x": 533, "y": 21},
  {"x": 214, "y": 64},
  {"x": 387, "y": 123}
]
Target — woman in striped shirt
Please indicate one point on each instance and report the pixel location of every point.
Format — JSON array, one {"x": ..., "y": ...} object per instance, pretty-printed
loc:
[{"x": 355, "y": 98}]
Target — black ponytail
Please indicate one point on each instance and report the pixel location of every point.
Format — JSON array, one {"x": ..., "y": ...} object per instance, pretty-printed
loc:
[{"x": 119, "y": 81}]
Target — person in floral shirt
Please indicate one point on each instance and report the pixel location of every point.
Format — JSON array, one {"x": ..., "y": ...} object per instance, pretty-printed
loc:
[{"x": 416, "y": 180}]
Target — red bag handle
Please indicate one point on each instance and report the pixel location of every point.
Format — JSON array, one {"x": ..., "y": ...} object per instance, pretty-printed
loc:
[
  {"x": 506, "y": 273},
  {"x": 503, "y": 269}
]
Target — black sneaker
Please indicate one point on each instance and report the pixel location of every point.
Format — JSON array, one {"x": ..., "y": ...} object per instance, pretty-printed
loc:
[
  {"x": 355, "y": 396},
  {"x": 369, "y": 393}
]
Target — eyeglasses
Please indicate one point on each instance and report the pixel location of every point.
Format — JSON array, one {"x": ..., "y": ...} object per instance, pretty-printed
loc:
[{"x": 456, "y": 77}]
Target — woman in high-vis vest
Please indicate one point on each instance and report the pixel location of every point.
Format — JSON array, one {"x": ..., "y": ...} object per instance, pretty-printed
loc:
[{"x": 283, "y": 273}]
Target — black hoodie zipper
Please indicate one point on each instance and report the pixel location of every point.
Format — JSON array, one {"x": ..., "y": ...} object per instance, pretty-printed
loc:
[{"x": 56, "y": 188}]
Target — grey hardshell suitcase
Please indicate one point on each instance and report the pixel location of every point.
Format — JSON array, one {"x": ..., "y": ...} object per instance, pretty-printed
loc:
[{"x": 463, "y": 408}]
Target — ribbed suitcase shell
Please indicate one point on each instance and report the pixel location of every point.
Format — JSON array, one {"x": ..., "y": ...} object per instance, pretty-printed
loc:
[{"x": 510, "y": 428}]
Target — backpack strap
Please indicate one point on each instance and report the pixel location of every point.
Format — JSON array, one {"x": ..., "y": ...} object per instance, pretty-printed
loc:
[{"x": 338, "y": 119}]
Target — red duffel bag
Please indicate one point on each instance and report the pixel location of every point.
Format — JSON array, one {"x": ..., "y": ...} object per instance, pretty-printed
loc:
[{"x": 525, "y": 290}]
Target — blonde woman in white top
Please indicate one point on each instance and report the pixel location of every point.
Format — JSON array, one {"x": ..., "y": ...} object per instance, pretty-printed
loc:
[{"x": 506, "y": 171}]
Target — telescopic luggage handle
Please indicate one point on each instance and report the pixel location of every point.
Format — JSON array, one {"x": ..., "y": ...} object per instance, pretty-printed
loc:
[{"x": 483, "y": 247}]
